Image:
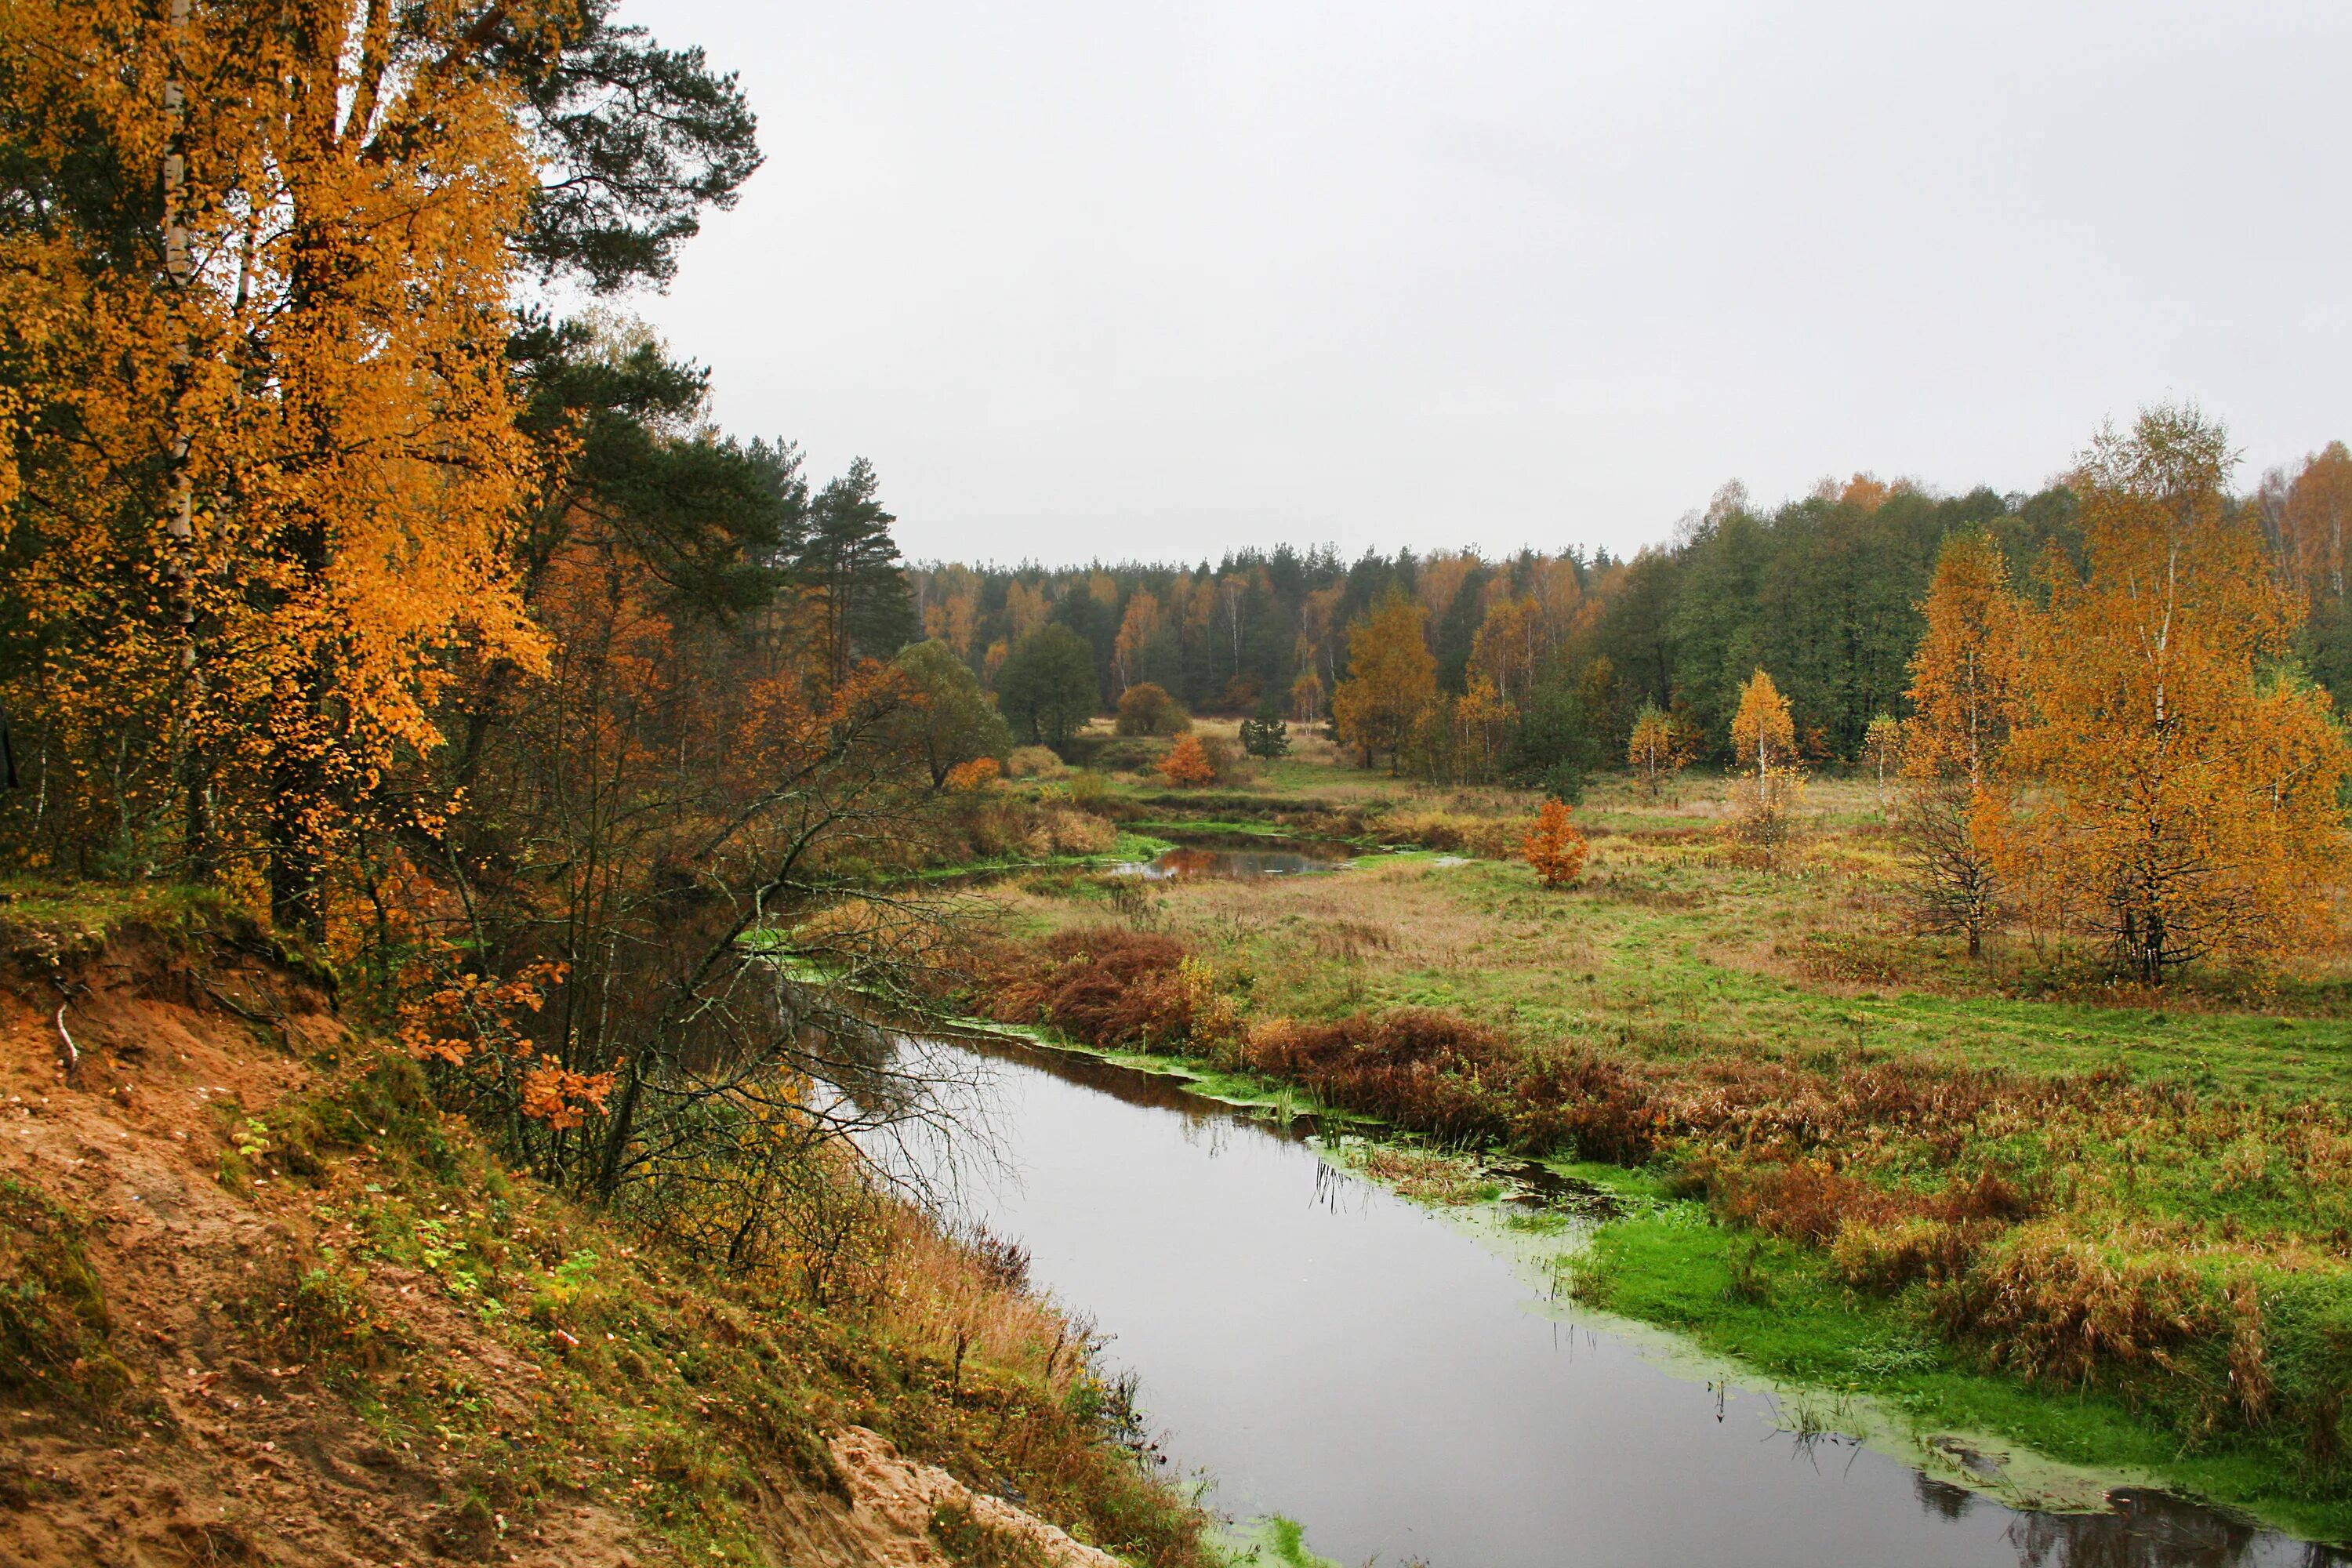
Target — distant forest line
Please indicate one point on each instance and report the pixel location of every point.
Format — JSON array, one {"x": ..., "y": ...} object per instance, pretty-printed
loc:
[{"x": 1823, "y": 591}]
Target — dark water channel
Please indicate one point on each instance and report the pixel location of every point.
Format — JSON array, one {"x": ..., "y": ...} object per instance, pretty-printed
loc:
[{"x": 1329, "y": 1352}]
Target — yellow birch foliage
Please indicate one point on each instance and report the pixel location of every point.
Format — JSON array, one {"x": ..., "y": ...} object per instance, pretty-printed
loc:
[
  {"x": 333, "y": 355},
  {"x": 2188, "y": 802},
  {"x": 1965, "y": 679},
  {"x": 1391, "y": 679},
  {"x": 1763, "y": 736},
  {"x": 1654, "y": 751}
]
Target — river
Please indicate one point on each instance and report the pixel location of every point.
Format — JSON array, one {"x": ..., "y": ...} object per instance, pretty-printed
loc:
[{"x": 1325, "y": 1350}]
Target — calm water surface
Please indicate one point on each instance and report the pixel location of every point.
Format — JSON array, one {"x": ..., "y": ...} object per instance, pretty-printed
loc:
[
  {"x": 1195, "y": 862},
  {"x": 1329, "y": 1352}
]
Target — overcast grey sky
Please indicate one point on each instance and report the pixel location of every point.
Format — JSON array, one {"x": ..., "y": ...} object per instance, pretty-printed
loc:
[{"x": 1134, "y": 279}]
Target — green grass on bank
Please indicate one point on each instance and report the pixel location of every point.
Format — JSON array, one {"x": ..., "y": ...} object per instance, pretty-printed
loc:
[
  {"x": 1778, "y": 1307},
  {"x": 2220, "y": 1149}
]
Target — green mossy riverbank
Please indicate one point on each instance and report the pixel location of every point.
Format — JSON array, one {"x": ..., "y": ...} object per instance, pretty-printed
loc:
[
  {"x": 1712, "y": 1301},
  {"x": 2008, "y": 1199}
]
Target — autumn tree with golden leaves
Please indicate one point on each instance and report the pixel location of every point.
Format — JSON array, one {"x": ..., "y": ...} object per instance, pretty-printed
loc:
[
  {"x": 1657, "y": 750},
  {"x": 1392, "y": 681},
  {"x": 1764, "y": 742},
  {"x": 1965, "y": 681},
  {"x": 2187, "y": 801},
  {"x": 1554, "y": 846},
  {"x": 315, "y": 365}
]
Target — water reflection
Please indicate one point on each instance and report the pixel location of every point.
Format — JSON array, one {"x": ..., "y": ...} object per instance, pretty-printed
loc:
[
  {"x": 2150, "y": 1530},
  {"x": 1330, "y": 1352},
  {"x": 1187, "y": 864}
]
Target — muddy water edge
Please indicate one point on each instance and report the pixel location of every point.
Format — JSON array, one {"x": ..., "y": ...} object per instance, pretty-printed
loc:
[{"x": 1317, "y": 1346}]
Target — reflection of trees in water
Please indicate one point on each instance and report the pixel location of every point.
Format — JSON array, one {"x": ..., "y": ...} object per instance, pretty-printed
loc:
[
  {"x": 2146, "y": 1530},
  {"x": 1941, "y": 1500}
]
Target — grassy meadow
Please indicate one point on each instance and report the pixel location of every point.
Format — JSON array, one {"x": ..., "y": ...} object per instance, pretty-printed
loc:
[{"x": 2014, "y": 1194}]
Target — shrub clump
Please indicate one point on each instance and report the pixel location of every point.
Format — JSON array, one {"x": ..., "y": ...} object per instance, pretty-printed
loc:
[
  {"x": 1106, "y": 986},
  {"x": 1424, "y": 1068},
  {"x": 1147, "y": 709}
]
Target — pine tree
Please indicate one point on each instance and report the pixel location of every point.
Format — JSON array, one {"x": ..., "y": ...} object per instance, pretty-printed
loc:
[{"x": 849, "y": 566}]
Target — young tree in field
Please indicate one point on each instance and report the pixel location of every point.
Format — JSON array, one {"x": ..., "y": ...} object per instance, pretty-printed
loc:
[
  {"x": 1764, "y": 740},
  {"x": 1266, "y": 736},
  {"x": 1881, "y": 751},
  {"x": 1307, "y": 697},
  {"x": 1654, "y": 752},
  {"x": 949, "y": 721},
  {"x": 2189, "y": 785},
  {"x": 1965, "y": 683},
  {"x": 1763, "y": 735},
  {"x": 1554, "y": 846},
  {"x": 1046, "y": 686},
  {"x": 1188, "y": 765},
  {"x": 1391, "y": 679}
]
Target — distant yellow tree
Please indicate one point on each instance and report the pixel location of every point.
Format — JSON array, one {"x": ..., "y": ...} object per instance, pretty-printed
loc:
[
  {"x": 1137, "y": 629},
  {"x": 1654, "y": 752},
  {"x": 2318, "y": 518},
  {"x": 2188, "y": 802},
  {"x": 1460, "y": 740},
  {"x": 1391, "y": 679},
  {"x": 1764, "y": 740},
  {"x": 1763, "y": 735},
  {"x": 1509, "y": 647},
  {"x": 1307, "y": 697},
  {"x": 1965, "y": 683}
]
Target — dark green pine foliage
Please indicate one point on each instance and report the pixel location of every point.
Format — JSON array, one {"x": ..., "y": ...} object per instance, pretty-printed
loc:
[
  {"x": 1457, "y": 630},
  {"x": 851, "y": 564},
  {"x": 634, "y": 141},
  {"x": 715, "y": 519},
  {"x": 1266, "y": 734}
]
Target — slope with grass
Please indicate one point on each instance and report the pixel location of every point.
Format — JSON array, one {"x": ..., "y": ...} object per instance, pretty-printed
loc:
[{"x": 266, "y": 1304}]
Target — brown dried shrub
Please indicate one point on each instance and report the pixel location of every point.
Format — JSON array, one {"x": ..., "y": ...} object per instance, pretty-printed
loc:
[
  {"x": 2056, "y": 1308},
  {"x": 1802, "y": 1200},
  {"x": 1885, "y": 1256},
  {"x": 1576, "y": 1100},
  {"x": 1106, "y": 985},
  {"x": 1991, "y": 1196},
  {"x": 1421, "y": 1067}
]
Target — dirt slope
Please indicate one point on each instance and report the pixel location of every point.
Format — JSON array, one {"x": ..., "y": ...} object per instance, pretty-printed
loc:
[{"x": 177, "y": 1432}]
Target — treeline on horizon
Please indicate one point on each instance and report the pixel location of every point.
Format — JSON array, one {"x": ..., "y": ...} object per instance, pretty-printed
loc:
[{"x": 1824, "y": 590}]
